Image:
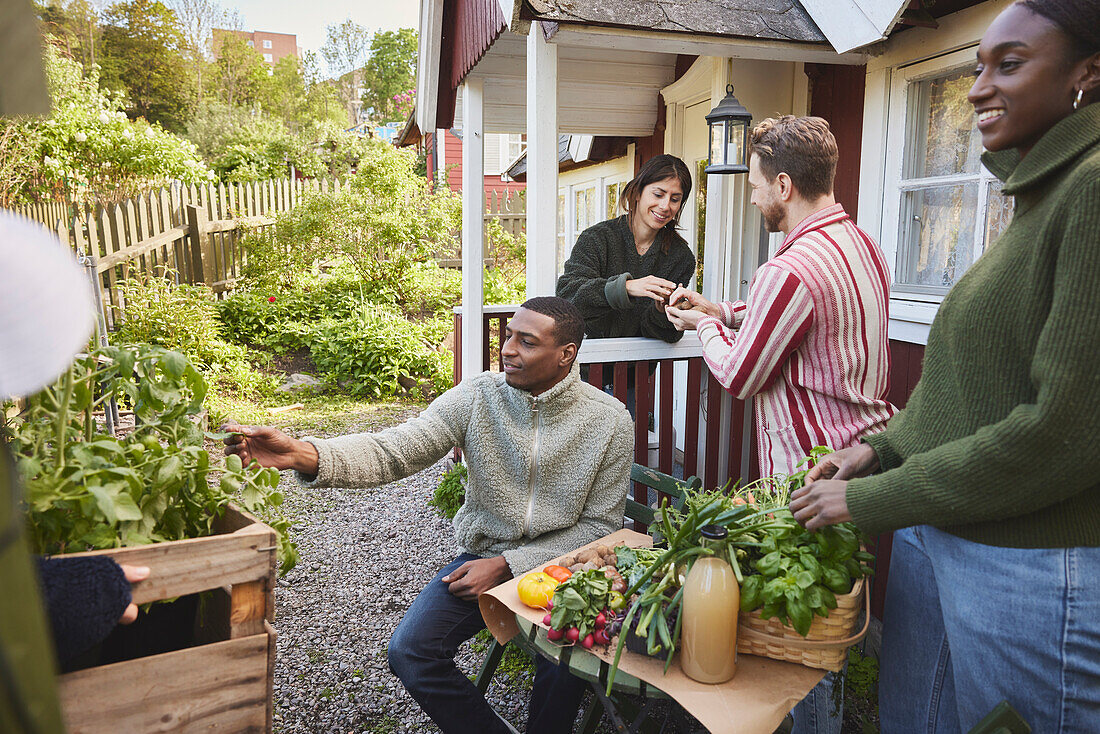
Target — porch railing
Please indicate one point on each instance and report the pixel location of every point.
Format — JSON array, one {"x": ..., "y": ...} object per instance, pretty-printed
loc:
[{"x": 671, "y": 383}]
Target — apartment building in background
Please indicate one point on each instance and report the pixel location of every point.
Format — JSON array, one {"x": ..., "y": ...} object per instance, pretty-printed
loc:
[{"x": 273, "y": 46}]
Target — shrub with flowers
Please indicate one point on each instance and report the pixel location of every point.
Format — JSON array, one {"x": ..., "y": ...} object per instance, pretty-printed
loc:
[{"x": 87, "y": 150}]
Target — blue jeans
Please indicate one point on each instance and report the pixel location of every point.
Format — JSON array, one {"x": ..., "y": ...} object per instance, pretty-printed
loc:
[
  {"x": 815, "y": 714},
  {"x": 968, "y": 625},
  {"x": 421, "y": 654}
]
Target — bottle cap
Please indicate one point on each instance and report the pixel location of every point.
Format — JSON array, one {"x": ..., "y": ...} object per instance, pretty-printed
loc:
[{"x": 713, "y": 532}]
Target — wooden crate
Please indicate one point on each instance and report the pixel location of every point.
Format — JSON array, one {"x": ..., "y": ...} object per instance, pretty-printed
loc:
[{"x": 222, "y": 686}]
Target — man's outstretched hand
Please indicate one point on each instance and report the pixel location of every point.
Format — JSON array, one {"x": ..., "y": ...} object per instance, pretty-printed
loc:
[
  {"x": 476, "y": 577},
  {"x": 270, "y": 447}
]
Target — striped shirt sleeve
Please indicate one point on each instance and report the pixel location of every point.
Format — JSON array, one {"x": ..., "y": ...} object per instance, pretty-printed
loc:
[
  {"x": 733, "y": 313},
  {"x": 778, "y": 319}
]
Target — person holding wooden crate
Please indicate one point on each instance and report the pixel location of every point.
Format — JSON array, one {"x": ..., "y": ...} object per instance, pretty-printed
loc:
[
  {"x": 809, "y": 347},
  {"x": 990, "y": 477},
  {"x": 548, "y": 459}
]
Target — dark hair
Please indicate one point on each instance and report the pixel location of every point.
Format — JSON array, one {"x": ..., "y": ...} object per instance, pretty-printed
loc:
[
  {"x": 658, "y": 168},
  {"x": 1078, "y": 19},
  {"x": 801, "y": 147},
  {"x": 568, "y": 322}
]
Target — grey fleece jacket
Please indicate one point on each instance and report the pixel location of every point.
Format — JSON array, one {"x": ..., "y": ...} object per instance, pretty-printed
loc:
[{"x": 545, "y": 475}]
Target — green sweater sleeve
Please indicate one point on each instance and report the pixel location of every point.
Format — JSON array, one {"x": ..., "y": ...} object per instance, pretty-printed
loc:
[{"x": 1040, "y": 453}]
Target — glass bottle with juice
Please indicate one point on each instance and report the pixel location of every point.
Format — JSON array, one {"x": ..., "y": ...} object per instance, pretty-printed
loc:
[{"x": 712, "y": 598}]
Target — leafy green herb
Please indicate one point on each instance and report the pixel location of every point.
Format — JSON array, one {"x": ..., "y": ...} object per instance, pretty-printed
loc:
[
  {"x": 86, "y": 490},
  {"x": 451, "y": 492},
  {"x": 579, "y": 600}
]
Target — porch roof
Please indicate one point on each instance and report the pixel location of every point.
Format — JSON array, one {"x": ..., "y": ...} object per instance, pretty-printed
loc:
[{"x": 783, "y": 20}]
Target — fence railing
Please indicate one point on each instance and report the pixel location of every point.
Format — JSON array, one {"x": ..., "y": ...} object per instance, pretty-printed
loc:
[{"x": 193, "y": 231}]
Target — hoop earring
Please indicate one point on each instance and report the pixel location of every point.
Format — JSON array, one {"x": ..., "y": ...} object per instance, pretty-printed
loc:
[{"x": 1077, "y": 99}]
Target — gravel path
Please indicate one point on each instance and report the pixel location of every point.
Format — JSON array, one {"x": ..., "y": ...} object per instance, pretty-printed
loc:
[{"x": 365, "y": 555}]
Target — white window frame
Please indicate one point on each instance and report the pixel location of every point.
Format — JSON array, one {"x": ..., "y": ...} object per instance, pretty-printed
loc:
[
  {"x": 267, "y": 44},
  {"x": 269, "y": 58},
  {"x": 901, "y": 131},
  {"x": 909, "y": 319}
]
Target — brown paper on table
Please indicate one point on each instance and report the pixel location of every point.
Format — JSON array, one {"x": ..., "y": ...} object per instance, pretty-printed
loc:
[{"x": 753, "y": 702}]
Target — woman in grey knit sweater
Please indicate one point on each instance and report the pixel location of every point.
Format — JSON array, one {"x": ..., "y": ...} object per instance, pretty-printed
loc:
[{"x": 622, "y": 271}]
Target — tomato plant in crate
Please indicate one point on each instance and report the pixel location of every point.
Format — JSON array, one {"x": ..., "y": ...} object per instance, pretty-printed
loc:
[{"x": 87, "y": 490}]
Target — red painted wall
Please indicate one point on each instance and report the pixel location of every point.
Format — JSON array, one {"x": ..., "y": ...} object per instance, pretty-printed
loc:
[
  {"x": 453, "y": 163},
  {"x": 836, "y": 93},
  {"x": 906, "y": 361}
]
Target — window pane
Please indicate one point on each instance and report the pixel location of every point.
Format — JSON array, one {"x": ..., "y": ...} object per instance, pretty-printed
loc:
[
  {"x": 580, "y": 209},
  {"x": 938, "y": 228},
  {"x": 613, "y": 200},
  {"x": 998, "y": 212},
  {"x": 700, "y": 220},
  {"x": 563, "y": 236},
  {"x": 944, "y": 133}
]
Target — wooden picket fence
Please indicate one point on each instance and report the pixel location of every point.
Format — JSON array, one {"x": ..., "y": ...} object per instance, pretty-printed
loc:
[
  {"x": 193, "y": 233},
  {"x": 507, "y": 207}
]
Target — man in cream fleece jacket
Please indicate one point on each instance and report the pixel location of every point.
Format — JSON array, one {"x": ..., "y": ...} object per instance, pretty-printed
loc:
[{"x": 548, "y": 459}]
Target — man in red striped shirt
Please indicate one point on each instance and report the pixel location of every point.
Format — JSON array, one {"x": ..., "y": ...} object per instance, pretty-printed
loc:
[{"x": 810, "y": 346}]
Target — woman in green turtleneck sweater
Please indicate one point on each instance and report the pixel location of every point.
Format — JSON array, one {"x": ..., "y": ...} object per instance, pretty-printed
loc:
[{"x": 993, "y": 469}]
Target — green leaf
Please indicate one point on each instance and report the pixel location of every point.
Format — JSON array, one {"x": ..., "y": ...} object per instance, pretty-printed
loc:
[
  {"x": 105, "y": 501},
  {"x": 126, "y": 508},
  {"x": 174, "y": 363}
]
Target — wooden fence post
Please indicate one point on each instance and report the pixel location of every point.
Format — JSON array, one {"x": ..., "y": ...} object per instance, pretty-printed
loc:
[{"x": 202, "y": 257}]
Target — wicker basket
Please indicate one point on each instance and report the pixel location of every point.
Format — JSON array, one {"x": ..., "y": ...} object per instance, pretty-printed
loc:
[{"x": 825, "y": 647}]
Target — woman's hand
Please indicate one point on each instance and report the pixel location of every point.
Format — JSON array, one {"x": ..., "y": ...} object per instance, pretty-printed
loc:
[
  {"x": 686, "y": 308},
  {"x": 854, "y": 461},
  {"x": 822, "y": 503},
  {"x": 651, "y": 287},
  {"x": 133, "y": 574}
]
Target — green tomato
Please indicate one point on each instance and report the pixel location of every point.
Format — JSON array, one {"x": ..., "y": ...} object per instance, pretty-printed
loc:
[
  {"x": 616, "y": 601},
  {"x": 233, "y": 463}
]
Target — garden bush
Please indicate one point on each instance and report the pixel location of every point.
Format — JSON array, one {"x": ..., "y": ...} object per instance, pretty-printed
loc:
[
  {"x": 184, "y": 318},
  {"x": 372, "y": 353},
  {"x": 88, "y": 490}
]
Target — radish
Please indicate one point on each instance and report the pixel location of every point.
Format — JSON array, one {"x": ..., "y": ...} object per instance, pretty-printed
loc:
[
  {"x": 572, "y": 634},
  {"x": 601, "y": 638},
  {"x": 554, "y": 635},
  {"x": 588, "y": 641},
  {"x": 546, "y": 620},
  {"x": 549, "y": 605},
  {"x": 601, "y": 621}
]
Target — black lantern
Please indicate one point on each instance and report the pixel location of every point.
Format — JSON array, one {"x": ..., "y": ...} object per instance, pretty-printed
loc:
[{"x": 729, "y": 136}]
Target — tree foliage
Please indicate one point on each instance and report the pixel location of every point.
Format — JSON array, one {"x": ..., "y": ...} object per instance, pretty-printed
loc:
[
  {"x": 142, "y": 56},
  {"x": 88, "y": 150},
  {"x": 390, "y": 73}
]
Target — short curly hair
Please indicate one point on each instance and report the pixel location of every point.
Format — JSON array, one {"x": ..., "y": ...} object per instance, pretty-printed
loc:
[
  {"x": 568, "y": 322},
  {"x": 801, "y": 147}
]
